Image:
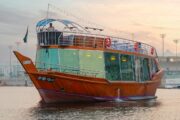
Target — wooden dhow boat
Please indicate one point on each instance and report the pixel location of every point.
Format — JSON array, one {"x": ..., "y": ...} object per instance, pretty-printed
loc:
[{"x": 73, "y": 64}]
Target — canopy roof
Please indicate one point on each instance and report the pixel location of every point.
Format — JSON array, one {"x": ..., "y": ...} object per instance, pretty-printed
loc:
[
  {"x": 66, "y": 23},
  {"x": 44, "y": 22}
]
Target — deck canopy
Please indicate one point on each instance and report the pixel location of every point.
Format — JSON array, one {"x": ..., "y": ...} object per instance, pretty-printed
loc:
[
  {"x": 44, "y": 22},
  {"x": 67, "y": 24}
]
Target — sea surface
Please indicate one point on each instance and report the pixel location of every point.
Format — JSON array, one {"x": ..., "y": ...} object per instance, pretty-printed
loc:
[{"x": 23, "y": 103}]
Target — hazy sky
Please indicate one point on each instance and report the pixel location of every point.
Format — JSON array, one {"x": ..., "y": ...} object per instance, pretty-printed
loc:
[{"x": 147, "y": 19}]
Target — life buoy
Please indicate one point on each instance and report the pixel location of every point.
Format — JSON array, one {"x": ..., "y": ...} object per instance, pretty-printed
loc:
[
  {"x": 108, "y": 42},
  {"x": 136, "y": 46},
  {"x": 152, "y": 51}
]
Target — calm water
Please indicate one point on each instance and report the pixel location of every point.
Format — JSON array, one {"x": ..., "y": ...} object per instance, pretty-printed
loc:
[{"x": 22, "y": 103}]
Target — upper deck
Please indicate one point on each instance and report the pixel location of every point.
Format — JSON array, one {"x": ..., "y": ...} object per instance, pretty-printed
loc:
[{"x": 73, "y": 34}]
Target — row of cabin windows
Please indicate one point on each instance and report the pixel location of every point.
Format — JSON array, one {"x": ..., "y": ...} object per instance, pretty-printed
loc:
[
  {"x": 82, "y": 62},
  {"x": 115, "y": 66},
  {"x": 129, "y": 67}
]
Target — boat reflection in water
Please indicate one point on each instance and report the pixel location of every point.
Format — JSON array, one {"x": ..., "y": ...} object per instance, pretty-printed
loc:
[
  {"x": 96, "y": 110},
  {"x": 27, "y": 107}
]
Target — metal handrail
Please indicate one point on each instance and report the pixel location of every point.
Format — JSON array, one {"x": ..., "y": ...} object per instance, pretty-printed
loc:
[{"x": 70, "y": 38}]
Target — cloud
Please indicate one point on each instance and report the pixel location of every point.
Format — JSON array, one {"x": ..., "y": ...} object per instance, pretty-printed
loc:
[
  {"x": 24, "y": 49},
  {"x": 43, "y": 13},
  {"x": 13, "y": 24},
  {"x": 12, "y": 16},
  {"x": 155, "y": 27}
]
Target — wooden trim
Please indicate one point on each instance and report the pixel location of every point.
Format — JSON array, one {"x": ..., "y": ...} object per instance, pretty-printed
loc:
[{"x": 71, "y": 78}]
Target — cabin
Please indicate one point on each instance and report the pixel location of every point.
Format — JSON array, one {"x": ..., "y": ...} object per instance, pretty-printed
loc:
[{"x": 72, "y": 51}]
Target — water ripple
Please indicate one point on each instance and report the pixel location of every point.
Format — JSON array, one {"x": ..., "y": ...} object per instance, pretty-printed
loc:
[{"x": 24, "y": 104}]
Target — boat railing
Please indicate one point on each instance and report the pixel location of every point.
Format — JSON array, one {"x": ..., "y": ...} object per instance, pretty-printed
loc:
[
  {"x": 70, "y": 38},
  {"x": 43, "y": 66}
]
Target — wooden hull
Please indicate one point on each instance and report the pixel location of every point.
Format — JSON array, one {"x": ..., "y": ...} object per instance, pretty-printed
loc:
[{"x": 61, "y": 87}]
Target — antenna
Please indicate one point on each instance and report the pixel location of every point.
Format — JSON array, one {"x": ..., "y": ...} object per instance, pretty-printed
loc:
[
  {"x": 47, "y": 16},
  {"x": 47, "y": 11},
  {"x": 163, "y": 36}
]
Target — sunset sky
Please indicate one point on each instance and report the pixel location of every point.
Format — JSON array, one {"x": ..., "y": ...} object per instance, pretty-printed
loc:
[{"x": 147, "y": 19}]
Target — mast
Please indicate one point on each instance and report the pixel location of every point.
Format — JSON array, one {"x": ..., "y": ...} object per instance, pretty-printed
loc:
[{"x": 47, "y": 15}]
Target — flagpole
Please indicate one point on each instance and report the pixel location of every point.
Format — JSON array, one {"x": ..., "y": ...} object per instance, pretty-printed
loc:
[
  {"x": 25, "y": 41},
  {"x": 48, "y": 11},
  {"x": 18, "y": 49},
  {"x": 46, "y": 21},
  {"x": 10, "y": 60}
]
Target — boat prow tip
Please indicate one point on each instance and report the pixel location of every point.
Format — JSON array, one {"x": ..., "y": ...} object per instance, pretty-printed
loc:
[
  {"x": 26, "y": 62},
  {"x": 17, "y": 53}
]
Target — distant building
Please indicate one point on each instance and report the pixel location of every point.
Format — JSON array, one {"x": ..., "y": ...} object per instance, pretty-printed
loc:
[
  {"x": 171, "y": 65},
  {"x": 14, "y": 76}
]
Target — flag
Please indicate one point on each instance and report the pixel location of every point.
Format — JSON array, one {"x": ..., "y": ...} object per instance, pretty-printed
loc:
[{"x": 25, "y": 37}]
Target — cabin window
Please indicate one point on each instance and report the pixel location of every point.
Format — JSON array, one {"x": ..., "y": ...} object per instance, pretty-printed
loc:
[
  {"x": 127, "y": 67},
  {"x": 49, "y": 38},
  {"x": 112, "y": 66},
  {"x": 145, "y": 69},
  {"x": 92, "y": 63},
  {"x": 138, "y": 68},
  {"x": 142, "y": 69},
  {"x": 47, "y": 59},
  {"x": 67, "y": 40},
  {"x": 153, "y": 67},
  {"x": 69, "y": 60}
]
